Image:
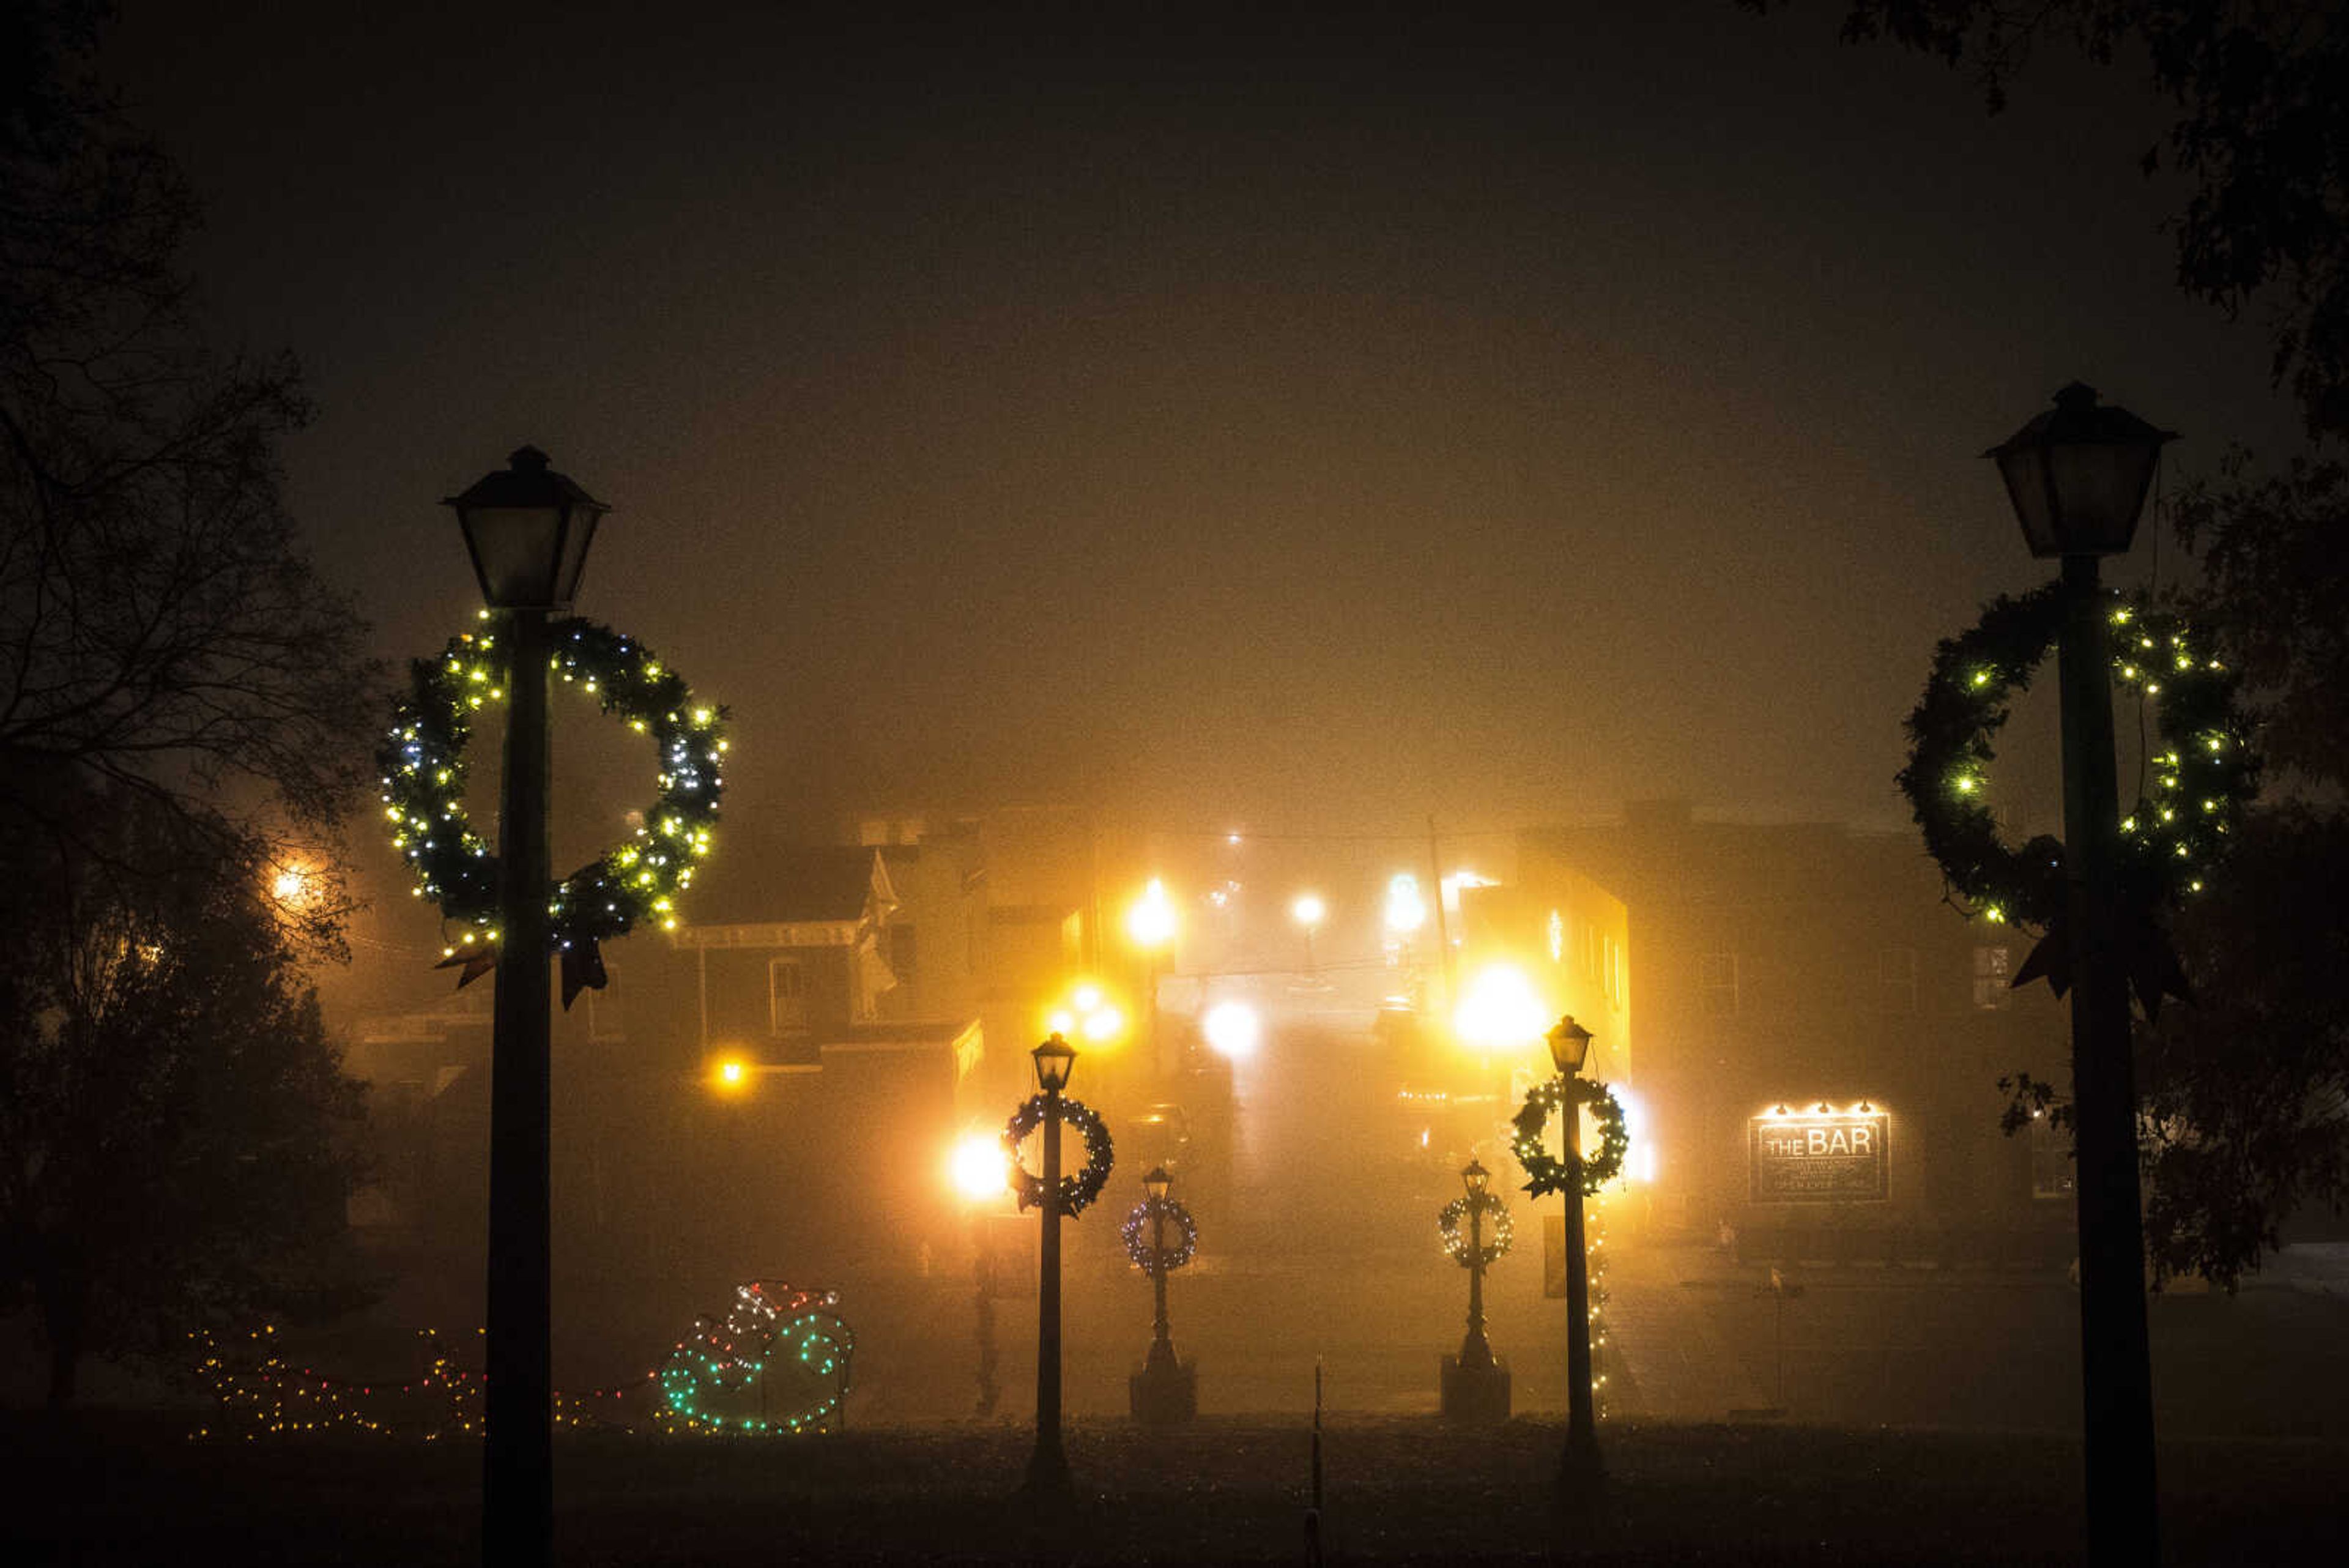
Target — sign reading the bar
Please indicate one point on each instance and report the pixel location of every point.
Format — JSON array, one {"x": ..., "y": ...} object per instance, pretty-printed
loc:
[{"x": 1818, "y": 1157}]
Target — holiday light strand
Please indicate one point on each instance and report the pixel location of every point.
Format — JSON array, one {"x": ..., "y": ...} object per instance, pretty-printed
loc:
[{"x": 258, "y": 1392}]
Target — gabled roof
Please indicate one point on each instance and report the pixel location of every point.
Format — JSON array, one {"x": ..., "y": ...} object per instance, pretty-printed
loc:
[{"x": 797, "y": 887}]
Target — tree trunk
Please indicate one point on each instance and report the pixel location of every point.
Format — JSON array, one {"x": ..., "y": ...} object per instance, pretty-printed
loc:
[{"x": 63, "y": 1295}]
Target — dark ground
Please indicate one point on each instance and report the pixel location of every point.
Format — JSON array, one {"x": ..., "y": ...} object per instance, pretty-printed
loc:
[{"x": 122, "y": 1489}]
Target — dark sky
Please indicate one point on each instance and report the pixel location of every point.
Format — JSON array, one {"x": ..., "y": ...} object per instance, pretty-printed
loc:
[{"x": 1304, "y": 422}]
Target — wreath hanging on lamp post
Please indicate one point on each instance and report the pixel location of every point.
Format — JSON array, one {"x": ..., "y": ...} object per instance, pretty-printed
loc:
[
  {"x": 1490, "y": 1215},
  {"x": 423, "y": 767},
  {"x": 1078, "y": 1191},
  {"x": 1545, "y": 1171},
  {"x": 2200, "y": 773}
]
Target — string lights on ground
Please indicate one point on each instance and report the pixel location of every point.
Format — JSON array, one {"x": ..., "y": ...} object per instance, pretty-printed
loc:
[
  {"x": 772, "y": 1328},
  {"x": 423, "y": 768}
]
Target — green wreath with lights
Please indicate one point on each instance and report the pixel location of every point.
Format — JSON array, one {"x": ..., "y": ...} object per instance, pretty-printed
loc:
[
  {"x": 1545, "y": 1171},
  {"x": 423, "y": 767},
  {"x": 2202, "y": 773},
  {"x": 1492, "y": 1215},
  {"x": 1137, "y": 1231},
  {"x": 1078, "y": 1191}
]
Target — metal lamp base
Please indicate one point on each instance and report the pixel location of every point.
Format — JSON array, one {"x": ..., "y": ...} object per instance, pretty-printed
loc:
[
  {"x": 1164, "y": 1395},
  {"x": 1476, "y": 1396}
]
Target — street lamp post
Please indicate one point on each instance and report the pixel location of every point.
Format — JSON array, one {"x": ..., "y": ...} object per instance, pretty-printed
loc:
[
  {"x": 1162, "y": 1341},
  {"x": 1309, "y": 910},
  {"x": 2077, "y": 475},
  {"x": 1475, "y": 1350},
  {"x": 527, "y": 530},
  {"x": 1569, "y": 1046},
  {"x": 1048, "y": 1467},
  {"x": 1151, "y": 923},
  {"x": 1165, "y": 1392},
  {"x": 1472, "y": 1388}
]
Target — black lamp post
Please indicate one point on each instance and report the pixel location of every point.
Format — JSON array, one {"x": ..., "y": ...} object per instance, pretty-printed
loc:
[
  {"x": 1569, "y": 1046},
  {"x": 1475, "y": 1350},
  {"x": 1048, "y": 1467},
  {"x": 2077, "y": 475},
  {"x": 527, "y": 530},
  {"x": 1161, "y": 1359},
  {"x": 1165, "y": 1392}
]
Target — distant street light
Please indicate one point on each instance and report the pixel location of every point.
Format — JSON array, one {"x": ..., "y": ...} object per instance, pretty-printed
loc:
[
  {"x": 1499, "y": 1010},
  {"x": 1233, "y": 1030},
  {"x": 982, "y": 1175},
  {"x": 1151, "y": 923},
  {"x": 1569, "y": 1046},
  {"x": 527, "y": 529},
  {"x": 1308, "y": 911},
  {"x": 2077, "y": 475}
]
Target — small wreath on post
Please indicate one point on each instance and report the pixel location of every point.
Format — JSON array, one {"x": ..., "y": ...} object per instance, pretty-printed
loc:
[
  {"x": 2202, "y": 772},
  {"x": 423, "y": 768},
  {"x": 1078, "y": 1191},
  {"x": 1137, "y": 1231},
  {"x": 1492, "y": 1215},
  {"x": 1545, "y": 1171}
]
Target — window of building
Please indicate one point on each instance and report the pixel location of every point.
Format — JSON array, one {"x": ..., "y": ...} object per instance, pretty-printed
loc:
[
  {"x": 786, "y": 995},
  {"x": 1716, "y": 984},
  {"x": 902, "y": 954},
  {"x": 2051, "y": 1159},
  {"x": 1993, "y": 989},
  {"x": 1896, "y": 980}
]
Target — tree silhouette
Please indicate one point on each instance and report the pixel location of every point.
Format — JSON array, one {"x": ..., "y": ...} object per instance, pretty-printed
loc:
[
  {"x": 2262, "y": 135},
  {"x": 179, "y": 1139},
  {"x": 160, "y": 630}
]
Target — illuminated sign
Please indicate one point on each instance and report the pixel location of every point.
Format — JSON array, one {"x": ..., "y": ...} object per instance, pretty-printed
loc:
[{"x": 1819, "y": 1155}]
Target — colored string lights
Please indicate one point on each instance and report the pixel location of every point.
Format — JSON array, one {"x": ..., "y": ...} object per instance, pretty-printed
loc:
[{"x": 781, "y": 1354}]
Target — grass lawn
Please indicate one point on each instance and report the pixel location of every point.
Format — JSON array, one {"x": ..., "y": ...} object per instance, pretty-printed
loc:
[{"x": 110, "y": 1490}]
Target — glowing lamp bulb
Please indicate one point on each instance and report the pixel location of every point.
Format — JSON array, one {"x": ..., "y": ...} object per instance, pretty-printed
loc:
[
  {"x": 1233, "y": 1030},
  {"x": 978, "y": 1168}
]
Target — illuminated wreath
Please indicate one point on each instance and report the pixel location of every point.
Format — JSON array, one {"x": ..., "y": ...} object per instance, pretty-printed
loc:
[
  {"x": 423, "y": 767},
  {"x": 1078, "y": 1191},
  {"x": 1137, "y": 1229},
  {"x": 1545, "y": 1171},
  {"x": 1499, "y": 1233},
  {"x": 2202, "y": 776}
]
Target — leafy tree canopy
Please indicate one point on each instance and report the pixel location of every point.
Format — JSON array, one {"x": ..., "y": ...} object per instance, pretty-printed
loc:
[
  {"x": 161, "y": 628},
  {"x": 177, "y": 1138}
]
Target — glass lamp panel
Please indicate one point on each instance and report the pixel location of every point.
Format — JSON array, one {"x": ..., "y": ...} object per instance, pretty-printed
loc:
[
  {"x": 516, "y": 551},
  {"x": 578, "y": 533},
  {"x": 2099, "y": 490}
]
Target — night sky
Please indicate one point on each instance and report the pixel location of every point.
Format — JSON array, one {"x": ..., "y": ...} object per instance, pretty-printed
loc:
[{"x": 1301, "y": 422}]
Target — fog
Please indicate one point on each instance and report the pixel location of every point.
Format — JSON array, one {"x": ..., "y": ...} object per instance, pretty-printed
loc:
[{"x": 1268, "y": 462}]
